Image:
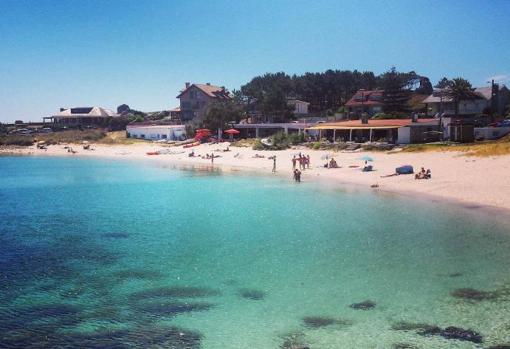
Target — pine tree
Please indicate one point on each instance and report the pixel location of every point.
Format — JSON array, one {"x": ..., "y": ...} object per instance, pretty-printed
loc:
[{"x": 396, "y": 95}]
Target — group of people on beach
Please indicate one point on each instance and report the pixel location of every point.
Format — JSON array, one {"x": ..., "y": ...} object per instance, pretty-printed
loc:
[
  {"x": 303, "y": 161},
  {"x": 331, "y": 164},
  {"x": 423, "y": 174}
]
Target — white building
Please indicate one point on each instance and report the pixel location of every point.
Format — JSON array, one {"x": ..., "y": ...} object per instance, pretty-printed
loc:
[
  {"x": 81, "y": 116},
  {"x": 300, "y": 107},
  {"x": 156, "y": 132}
]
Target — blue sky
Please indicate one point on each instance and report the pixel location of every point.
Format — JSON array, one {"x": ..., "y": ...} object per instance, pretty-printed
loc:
[{"x": 82, "y": 53}]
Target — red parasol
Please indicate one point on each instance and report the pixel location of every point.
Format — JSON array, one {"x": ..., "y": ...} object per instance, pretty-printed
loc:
[{"x": 232, "y": 131}]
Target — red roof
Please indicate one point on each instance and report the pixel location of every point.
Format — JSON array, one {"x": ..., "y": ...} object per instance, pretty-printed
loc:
[{"x": 370, "y": 97}]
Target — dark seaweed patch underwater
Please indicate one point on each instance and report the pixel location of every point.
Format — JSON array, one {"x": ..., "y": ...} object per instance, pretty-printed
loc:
[{"x": 74, "y": 274}]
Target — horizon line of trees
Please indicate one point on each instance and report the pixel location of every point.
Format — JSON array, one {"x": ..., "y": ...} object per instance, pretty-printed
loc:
[{"x": 327, "y": 93}]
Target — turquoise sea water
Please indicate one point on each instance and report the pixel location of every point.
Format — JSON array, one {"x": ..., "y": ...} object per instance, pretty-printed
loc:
[{"x": 104, "y": 254}]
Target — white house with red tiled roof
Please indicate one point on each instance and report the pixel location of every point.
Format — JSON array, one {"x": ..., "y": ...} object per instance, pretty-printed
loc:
[{"x": 196, "y": 98}]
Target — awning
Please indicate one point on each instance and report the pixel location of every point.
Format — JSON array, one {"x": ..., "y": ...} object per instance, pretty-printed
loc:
[{"x": 337, "y": 127}]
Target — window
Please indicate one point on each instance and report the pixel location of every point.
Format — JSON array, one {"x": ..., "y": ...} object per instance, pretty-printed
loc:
[
  {"x": 142, "y": 136},
  {"x": 163, "y": 136}
]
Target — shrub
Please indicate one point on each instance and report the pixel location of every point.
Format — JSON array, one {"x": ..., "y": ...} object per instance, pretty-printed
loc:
[
  {"x": 258, "y": 145},
  {"x": 280, "y": 141},
  {"x": 23, "y": 141},
  {"x": 296, "y": 138}
]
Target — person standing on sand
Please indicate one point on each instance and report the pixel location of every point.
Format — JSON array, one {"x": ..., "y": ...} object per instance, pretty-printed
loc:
[
  {"x": 294, "y": 162},
  {"x": 308, "y": 161},
  {"x": 212, "y": 158},
  {"x": 274, "y": 164},
  {"x": 297, "y": 175}
]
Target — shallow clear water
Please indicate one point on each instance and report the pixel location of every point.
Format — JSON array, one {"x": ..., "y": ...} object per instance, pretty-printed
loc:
[{"x": 117, "y": 254}]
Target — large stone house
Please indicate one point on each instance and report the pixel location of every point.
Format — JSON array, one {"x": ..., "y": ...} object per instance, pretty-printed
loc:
[{"x": 196, "y": 98}]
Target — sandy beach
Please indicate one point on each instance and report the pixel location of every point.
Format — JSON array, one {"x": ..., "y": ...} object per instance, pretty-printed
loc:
[{"x": 473, "y": 181}]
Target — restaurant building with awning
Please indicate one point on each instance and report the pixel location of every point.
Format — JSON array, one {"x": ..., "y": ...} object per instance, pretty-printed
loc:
[
  {"x": 401, "y": 131},
  {"x": 260, "y": 130}
]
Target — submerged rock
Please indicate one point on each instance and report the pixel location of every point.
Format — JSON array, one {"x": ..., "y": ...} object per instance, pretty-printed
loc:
[
  {"x": 175, "y": 292},
  {"x": 453, "y": 332},
  {"x": 500, "y": 346},
  {"x": 318, "y": 321},
  {"x": 365, "y": 305},
  {"x": 255, "y": 295},
  {"x": 323, "y": 321},
  {"x": 450, "y": 332},
  {"x": 174, "y": 308},
  {"x": 455, "y": 275},
  {"x": 471, "y": 294},
  {"x": 138, "y": 337}
]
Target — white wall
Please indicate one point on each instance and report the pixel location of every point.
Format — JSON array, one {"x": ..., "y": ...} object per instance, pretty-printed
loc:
[
  {"x": 156, "y": 132},
  {"x": 404, "y": 135}
]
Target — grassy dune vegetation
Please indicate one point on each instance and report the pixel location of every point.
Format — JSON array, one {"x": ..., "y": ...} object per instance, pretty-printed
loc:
[
  {"x": 487, "y": 148},
  {"x": 73, "y": 137}
]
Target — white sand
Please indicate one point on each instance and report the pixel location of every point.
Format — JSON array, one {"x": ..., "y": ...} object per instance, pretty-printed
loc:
[{"x": 470, "y": 180}]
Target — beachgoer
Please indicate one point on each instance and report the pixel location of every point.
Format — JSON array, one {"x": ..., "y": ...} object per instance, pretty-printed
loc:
[
  {"x": 192, "y": 154},
  {"x": 421, "y": 175},
  {"x": 274, "y": 164},
  {"x": 298, "y": 175},
  {"x": 308, "y": 161},
  {"x": 212, "y": 158},
  {"x": 294, "y": 162}
]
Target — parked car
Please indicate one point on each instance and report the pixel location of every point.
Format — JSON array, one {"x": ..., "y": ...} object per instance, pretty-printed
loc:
[{"x": 21, "y": 131}]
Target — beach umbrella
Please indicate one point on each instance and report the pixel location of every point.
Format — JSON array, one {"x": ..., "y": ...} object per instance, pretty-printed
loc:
[
  {"x": 232, "y": 132},
  {"x": 366, "y": 158},
  {"x": 203, "y": 130}
]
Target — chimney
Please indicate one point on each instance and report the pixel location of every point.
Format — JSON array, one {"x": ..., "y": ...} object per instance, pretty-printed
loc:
[
  {"x": 208, "y": 84},
  {"x": 187, "y": 84}
]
